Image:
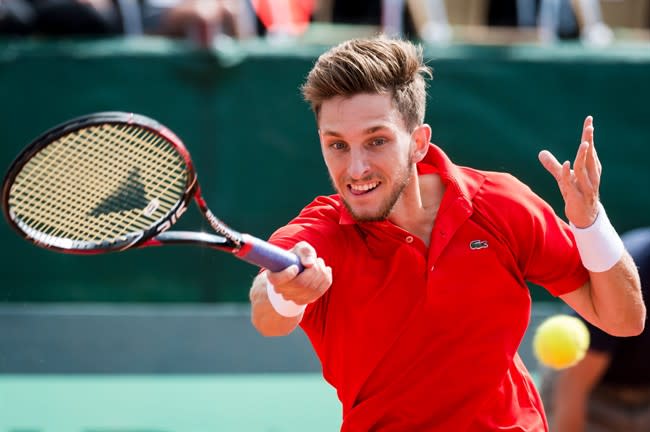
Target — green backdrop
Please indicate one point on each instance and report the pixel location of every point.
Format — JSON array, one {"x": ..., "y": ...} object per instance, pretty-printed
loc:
[{"x": 254, "y": 142}]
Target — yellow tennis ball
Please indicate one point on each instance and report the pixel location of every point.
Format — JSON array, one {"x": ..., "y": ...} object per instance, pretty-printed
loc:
[{"x": 561, "y": 341}]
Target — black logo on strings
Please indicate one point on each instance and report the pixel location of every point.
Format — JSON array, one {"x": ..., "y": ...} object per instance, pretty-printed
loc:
[{"x": 129, "y": 195}]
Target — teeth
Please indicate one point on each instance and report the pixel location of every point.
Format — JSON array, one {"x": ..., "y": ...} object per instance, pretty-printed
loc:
[{"x": 364, "y": 187}]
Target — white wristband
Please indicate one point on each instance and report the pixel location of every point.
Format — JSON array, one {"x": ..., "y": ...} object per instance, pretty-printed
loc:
[
  {"x": 599, "y": 245},
  {"x": 286, "y": 308}
]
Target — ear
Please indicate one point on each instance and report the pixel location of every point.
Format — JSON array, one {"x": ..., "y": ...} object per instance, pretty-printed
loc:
[{"x": 421, "y": 137}]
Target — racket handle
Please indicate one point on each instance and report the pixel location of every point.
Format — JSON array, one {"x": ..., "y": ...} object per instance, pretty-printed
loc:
[{"x": 267, "y": 255}]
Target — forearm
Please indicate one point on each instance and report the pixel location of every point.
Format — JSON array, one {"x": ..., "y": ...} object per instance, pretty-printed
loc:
[
  {"x": 263, "y": 316},
  {"x": 615, "y": 303},
  {"x": 617, "y": 300}
]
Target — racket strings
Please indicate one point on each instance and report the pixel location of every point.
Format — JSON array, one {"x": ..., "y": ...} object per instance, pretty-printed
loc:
[
  {"x": 34, "y": 179},
  {"x": 64, "y": 182},
  {"x": 130, "y": 192},
  {"x": 102, "y": 156},
  {"x": 60, "y": 161},
  {"x": 113, "y": 179},
  {"x": 67, "y": 182},
  {"x": 99, "y": 184}
]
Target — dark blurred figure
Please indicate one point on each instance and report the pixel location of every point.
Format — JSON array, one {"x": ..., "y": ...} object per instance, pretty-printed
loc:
[
  {"x": 357, "y": 12},
  {"x": 60, "y": 17},
  {"x": 391, "y": 15},
  {"x": 609, "y": 390}
]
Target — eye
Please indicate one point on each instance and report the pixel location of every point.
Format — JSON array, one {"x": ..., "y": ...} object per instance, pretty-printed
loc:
[
  {"x": 379, "y": 141},
  {"x": 338, "y": 145}
]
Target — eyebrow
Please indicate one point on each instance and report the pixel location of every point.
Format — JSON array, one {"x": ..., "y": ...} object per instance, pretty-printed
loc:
[{"x": 368, "y": 131}]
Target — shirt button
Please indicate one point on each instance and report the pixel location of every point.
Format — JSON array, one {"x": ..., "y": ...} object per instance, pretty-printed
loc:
[
  {"x": 433, "y": 268},
  {"x": 409, "y": 239}
]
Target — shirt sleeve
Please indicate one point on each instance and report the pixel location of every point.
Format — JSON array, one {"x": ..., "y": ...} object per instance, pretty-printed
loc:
[{"x": 316, "y": 224}]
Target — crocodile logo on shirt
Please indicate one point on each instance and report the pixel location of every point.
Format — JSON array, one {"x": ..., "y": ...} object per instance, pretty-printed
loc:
[{"x": 478, "y": 244}]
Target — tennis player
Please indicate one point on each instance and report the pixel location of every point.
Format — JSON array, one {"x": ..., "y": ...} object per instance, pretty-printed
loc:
[{"x": 414, "y": 292}]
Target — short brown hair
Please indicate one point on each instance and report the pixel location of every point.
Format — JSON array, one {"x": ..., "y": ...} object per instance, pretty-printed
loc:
[{"x": 378, "y": 65}]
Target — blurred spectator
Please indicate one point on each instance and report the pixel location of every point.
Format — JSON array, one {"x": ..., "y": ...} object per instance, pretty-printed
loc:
[
  {"x": 351, "y": 12},
  {"x": 593, "y": 30},
  {"x": 425, "y": 19},
  {"x": 429, "y": 19},
  {"x": 200, "y": 20},
  {"x": 284, "y": 18},
  {"x": 59, "y": 17},
  {"x": 609, "y": 390},
  {"x": 554, "y": 19}
]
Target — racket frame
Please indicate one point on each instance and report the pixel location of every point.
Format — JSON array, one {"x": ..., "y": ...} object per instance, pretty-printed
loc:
[
  {"x": 243, "y": 246},
  {"x": 142, "y": 238}
]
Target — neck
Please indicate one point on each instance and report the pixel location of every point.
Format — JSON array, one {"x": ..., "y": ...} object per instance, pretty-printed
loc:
[{"x": 418, "y": 205}]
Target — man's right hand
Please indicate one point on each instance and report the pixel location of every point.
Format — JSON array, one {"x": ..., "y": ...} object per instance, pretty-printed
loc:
[
  {"x": 303, "y": 288},
  {"x": 308, "y": 286}
]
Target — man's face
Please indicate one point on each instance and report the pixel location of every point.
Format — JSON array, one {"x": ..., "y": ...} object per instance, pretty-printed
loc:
[{"x": 368, "y": 153}]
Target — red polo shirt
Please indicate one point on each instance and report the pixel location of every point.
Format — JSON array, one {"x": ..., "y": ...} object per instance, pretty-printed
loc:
[{"x": 425, "y": 339}]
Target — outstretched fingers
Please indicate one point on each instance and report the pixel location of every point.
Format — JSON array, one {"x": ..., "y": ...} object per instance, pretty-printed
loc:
[
  {"x": 579, "y": 186},
  {"x": 551, "y": 164},
  {"x": 560, "y": 172},
  {"x": 587, "y": 129},
  {"x": 594, "y": 167},
  {"x": 580, "y": 168}
]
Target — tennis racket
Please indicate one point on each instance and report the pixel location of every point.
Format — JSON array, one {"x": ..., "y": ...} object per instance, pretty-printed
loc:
[{"x": 113, "y": 181}]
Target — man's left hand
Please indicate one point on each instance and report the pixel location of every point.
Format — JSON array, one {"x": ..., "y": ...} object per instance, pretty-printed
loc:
[{"x": 579, "y": 186}]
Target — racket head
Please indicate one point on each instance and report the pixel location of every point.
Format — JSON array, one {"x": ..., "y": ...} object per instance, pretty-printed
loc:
[{"x": 99, "y": 183}]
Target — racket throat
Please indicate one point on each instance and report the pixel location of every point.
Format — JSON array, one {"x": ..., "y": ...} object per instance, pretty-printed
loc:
[{"x": 223, "y": 230}]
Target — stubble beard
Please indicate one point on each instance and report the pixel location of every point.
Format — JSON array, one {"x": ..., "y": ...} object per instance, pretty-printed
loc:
[{"x": 388, "y": 204}]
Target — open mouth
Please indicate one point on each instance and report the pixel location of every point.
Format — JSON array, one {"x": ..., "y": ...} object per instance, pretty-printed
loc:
[{"x": 363, "y": 188}]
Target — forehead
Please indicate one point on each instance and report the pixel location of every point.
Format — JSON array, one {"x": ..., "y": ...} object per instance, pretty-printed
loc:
[{"x": 359, "y": 112}]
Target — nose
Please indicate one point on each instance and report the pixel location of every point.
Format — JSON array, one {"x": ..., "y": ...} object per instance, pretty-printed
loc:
[{"x": 359, "y": 166}]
